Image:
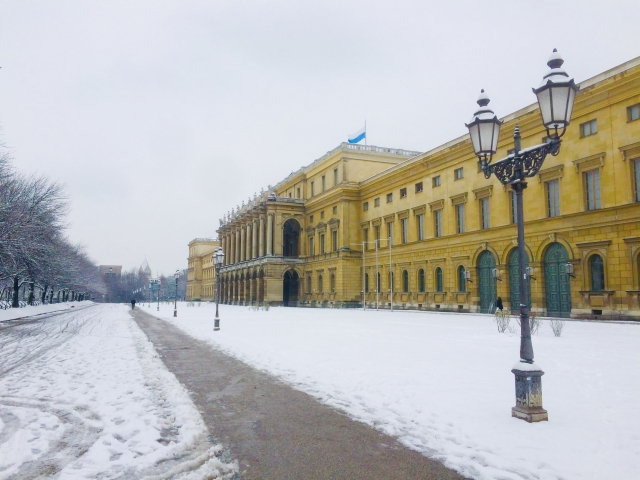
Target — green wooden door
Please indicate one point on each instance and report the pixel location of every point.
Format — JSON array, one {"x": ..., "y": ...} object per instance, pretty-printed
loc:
[
  {"x": 514, "y": 284},
  {"x": 556, "y": 281},
  {"x": 487, "y": 285}
]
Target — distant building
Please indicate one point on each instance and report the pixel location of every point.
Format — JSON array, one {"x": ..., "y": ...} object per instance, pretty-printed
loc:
[
  {"x": 201, "y": 275},
  {"x": 110, "y": 272},
  {"x": 144, "y": 268}
]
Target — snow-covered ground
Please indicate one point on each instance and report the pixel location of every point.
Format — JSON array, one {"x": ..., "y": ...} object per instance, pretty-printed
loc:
[
  {"x": 15, "y": 313},
  {"x": 84, "y": 395},
  {"x": 442, "y": 383}
]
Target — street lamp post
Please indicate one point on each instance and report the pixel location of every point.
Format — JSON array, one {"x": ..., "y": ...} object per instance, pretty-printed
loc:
[
  {"x": 175, "y": 297},
  {"x": 218, "y": 260},
  {"x": 555, "y": 95}
]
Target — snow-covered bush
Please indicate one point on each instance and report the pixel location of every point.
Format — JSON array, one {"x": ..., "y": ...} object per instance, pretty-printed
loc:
[
  {"x": 557, "y": 325},
  {"x": 502, "y": 321}
]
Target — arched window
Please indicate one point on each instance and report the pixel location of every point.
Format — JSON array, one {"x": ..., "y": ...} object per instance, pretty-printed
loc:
[
  {"x": 366, "y": 283},
  {"x": 439, "y": 280},
  {"x": 462, "y": 280},
  {"x": 333, "y": 283},
  {"x": 405, "y": 281},
  {"x": 378, "y": 284},
  {"x": 421, "y": 283},
  {"x": 320, "y": 283},
  {"x": 309, "y": 284},
  {"x": 596, "y": 267}
]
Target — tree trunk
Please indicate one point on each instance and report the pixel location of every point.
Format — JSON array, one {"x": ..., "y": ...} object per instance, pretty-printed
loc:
[
  {"x": 44, "y": 294},
  {"x": 16, "y": 292},
  {"x": 31, "y": 295}
]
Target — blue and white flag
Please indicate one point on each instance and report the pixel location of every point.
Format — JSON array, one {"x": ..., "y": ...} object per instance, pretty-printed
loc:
[{"x": 359, "y": 135}]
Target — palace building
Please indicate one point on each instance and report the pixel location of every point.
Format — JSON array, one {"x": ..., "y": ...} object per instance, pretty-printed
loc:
[
  {"x": 201, "y": 274},
  {"x": 438, "y": 235}
]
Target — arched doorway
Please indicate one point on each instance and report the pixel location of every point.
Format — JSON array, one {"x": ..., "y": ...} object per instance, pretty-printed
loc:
[
  {"x": 291, "y": 238},
  {"x": 487, "y": 285},
  {"x": 556, "y": 281},
  {"x": 290, "y": 284},
  {"x": 514, "y": 280}
]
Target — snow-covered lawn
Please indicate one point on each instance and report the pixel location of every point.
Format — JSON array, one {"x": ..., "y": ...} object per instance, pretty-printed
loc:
[
  {"x": 84, "y": 395},
  {"x": 442, "y": 383}
]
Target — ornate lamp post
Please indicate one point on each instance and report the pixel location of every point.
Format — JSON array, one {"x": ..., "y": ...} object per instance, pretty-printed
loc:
[
  {"x": 218, "y": 260},
  {"x": 175, "y": 297},
  {"x": 556, "y": 95}
]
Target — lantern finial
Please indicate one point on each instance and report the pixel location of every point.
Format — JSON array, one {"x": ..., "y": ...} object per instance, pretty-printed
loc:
[
  {"x": 483, "y": 99},
  {"x": 555, "y": 60}
]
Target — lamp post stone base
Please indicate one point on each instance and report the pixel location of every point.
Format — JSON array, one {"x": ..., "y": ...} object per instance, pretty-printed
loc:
[
  {"x": 528, "y": 393},
  {"x": 216, "y": 324}
]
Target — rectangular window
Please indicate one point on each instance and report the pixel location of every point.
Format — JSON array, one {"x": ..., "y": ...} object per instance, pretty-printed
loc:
[
  {"x": 312, "y": 189},
  {"x": 310, "y": 218},
  {"x": 458, "y": 173},
  {"x": 553, "y": 198},
  {"x": 376, "y": 230},
  {"x": 390, "y": 232},
  {"x": 436, "y": 181},
  {"x": 322, "y": 250},
  {"x": 437, "y": 219},
  {"x": 298, "y": 193},
  {"x": 589, "y": 128},
  {"x": 485, "y": 213},
  {"x": 366, "y": 238},
  {"x": 311, "y": 250},
  {"x": 389, "y": 197},
  {"x": 289, "y": 194},
  {"x": 405, "y": 231},
  {"x": 324, "y": 183},
  {"x": 419, "y": 187},
  {"x": 592, "y": 188},
  {"x": 335, "y": 210},
  {"x": 403, "y": 192},
  {"x": 633, "y": 113},
  {"x": 335, "y": 177},
  {"x": 322, "y": 214},
  {"x": 334, "y": 240},
  {"x": 460, "y": 218},
  {"x": 514, "y": 207},
  {"x": 636, "y": 172},
  {"x": 365, "y": 206},
  {"x": 376, "y": 202},
  {"x": 420, "y": 223}
]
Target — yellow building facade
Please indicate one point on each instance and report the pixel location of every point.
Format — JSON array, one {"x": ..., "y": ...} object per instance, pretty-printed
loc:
[
  {"x": 452, "y": 231},
  {"x": 201, "y": 273}
]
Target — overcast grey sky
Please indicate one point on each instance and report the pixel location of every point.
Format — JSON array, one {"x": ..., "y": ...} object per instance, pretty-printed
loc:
[{"x": 160, "y": 116}]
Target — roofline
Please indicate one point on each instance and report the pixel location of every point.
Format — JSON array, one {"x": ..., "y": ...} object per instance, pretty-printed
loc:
[{"x": 518, "y": 113}]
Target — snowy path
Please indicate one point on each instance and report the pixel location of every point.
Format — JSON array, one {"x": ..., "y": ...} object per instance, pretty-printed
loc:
[
  {"x": 276, "y": 431},
  {"x": 83, "y": 395},
  {"x": 442, "y": 383}
]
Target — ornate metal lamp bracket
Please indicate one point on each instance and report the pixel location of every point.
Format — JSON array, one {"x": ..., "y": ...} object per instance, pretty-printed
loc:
[{"x": 520, "y": 165}]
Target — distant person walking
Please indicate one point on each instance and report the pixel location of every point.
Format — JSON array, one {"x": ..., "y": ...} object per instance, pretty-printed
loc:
[
  {"x": 499, "y": 303},
  {"x": 133, "y": 304}
]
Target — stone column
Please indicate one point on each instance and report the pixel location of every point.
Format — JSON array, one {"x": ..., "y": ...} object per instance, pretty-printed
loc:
[
  {"x": 254, "y": 242},
  {"x": 270, "y": 235},
  {"x": 243, "y": 239},
  {"x": 249, "y": 237},
  {"x": 261, "y": 240},
  {"x": 231, "y": 247},
  {"x": 236, "y": 253}
]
